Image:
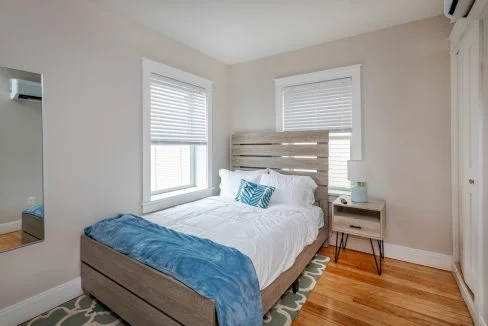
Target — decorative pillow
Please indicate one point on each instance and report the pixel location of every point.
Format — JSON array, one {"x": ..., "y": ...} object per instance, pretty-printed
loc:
[
  {"x": 231, "y": 180},
  {"x": 290, "y": 189},
  {"x": 254, "y": 194}
]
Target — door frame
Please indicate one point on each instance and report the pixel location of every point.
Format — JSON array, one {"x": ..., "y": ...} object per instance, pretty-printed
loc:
[{"x": 475, "y": 306}]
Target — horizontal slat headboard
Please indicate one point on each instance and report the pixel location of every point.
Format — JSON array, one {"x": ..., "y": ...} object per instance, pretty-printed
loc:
[{"x": 289, "y": 152}]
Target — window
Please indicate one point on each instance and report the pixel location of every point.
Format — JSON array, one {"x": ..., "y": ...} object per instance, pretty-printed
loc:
[
  {"x": 176, "y": 136},
  {"x": 172, "y": 167},
  {"x": 330, "y": 100}
]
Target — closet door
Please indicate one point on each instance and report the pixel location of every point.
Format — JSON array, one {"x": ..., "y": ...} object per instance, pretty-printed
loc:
[{"x": 469, "y": 142}]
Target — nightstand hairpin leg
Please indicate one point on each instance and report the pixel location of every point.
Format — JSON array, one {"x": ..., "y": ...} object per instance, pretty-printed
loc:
[
  {"x": 340, "y": 245},
  {"x": 382, "y": 255},
  {"x": 337, "y": 248},
  {"x": 345, "y": 242},
  {"x": 382, "y": 248}
]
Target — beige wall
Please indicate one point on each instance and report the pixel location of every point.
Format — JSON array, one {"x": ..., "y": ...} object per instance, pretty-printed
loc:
[
  {"x": 91, "y": 61},
  {"x": 406, "y": 119},
  {"x": 20, "y": 148}
]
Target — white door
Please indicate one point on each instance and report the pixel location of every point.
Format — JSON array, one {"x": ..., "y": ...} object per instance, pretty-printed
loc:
[{"x": 469, "y": 142}]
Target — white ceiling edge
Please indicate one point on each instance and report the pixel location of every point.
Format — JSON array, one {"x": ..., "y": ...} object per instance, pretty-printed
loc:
[{"x": 236, "y": 31}]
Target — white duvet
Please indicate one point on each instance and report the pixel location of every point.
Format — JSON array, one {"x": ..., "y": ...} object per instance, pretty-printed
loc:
[{"x": 272, "y": 238}]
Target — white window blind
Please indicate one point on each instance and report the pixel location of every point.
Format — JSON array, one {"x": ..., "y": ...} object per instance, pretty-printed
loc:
[
  {"x": 324, "y": 105},
  {"x": 178, "y": 112}
]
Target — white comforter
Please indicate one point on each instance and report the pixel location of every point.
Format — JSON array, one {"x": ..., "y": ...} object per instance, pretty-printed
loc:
[{"x": 272, "y": 238}]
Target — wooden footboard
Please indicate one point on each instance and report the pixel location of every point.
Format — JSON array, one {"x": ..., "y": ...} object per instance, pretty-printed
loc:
[
  {"x": 125, "y": 303},
  {"x": 142, "y": 295},
  {"x": 33, "y": 225},
  {"x": 150, "y": 295}
]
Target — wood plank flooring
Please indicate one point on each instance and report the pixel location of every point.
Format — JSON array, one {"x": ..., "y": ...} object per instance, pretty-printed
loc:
[
  {"x": 352, "y": 293},
  {"x": 10, "y": 240}
]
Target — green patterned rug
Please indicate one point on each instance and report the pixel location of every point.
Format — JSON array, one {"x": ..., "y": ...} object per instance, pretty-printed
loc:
[{"x": 86, "y": 311}]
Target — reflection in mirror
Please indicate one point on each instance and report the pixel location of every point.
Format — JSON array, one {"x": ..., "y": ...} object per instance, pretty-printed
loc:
[{"x": 21, "y": 190}]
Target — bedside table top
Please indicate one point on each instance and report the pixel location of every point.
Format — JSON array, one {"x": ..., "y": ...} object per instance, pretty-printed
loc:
[{"x": 372, "y": 204}]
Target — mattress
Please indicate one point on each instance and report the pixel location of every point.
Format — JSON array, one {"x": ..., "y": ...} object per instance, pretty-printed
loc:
[{"x": 272, "y": 238}]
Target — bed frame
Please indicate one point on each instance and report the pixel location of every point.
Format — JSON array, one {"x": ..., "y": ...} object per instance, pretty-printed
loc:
[
  {"x": 142, "y": 295},
  {"x": 32, "y": 228}
]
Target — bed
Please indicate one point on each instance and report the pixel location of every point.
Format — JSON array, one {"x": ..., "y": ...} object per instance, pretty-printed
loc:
[
  {"x": 33, "y": 223},
  {"x": 144, "y": 296}
]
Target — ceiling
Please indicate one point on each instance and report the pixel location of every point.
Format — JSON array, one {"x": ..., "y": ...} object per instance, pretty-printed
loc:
[{"x": 234, "y": 31}]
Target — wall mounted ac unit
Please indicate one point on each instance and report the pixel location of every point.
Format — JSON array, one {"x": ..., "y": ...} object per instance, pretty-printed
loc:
[
  {"x": 455, "y": 9},
  {"x": 25, "y": 90}
]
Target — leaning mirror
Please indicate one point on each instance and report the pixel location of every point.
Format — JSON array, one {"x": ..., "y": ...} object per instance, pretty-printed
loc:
[{"x": 21, "y": 189}]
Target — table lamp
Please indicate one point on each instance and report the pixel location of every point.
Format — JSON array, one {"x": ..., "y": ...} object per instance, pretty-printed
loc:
[{"x": 357, "y": 174}]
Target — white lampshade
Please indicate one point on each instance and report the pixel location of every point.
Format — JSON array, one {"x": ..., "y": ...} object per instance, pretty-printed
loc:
[{"x": 357, "y": 171}]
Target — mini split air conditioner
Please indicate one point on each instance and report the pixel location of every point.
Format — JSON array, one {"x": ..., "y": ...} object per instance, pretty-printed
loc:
[
  {"x": 455, "y": 9},
  {"x": 25, "y": 90}
]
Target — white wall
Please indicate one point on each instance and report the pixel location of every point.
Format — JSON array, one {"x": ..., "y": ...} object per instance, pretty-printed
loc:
[
  {"x": 406, "y": 119},
  {"x": 20, "y": 148},
  {"x": 91, "y": 65}
]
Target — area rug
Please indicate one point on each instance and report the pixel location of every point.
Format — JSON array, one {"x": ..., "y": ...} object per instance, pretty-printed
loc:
[{"x": 86, "y": 311}]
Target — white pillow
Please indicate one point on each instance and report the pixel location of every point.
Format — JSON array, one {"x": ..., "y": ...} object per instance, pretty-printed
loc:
[
  {"x": 231, "y": 180},
  {"x": 290, "y": 189}
]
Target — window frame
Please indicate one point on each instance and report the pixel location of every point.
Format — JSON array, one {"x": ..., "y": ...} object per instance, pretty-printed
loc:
[
  {"x": 152, "y": 202},
  {"x": 353, "y": 72}
]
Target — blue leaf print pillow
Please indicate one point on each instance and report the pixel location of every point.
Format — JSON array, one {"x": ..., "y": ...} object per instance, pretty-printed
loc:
[{"x": 254, "y": 194}]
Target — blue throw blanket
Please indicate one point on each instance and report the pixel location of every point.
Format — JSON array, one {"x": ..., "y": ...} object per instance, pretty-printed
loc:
[
  {"x": 213, "y": 270},
  {"x": 36, "y": 210}
]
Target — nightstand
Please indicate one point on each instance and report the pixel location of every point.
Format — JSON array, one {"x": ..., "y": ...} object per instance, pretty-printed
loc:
[{"x": 365, "y": 220}]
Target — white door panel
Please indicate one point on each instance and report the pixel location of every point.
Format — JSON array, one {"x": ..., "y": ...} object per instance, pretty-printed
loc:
[{"x": 469, "y": 119}]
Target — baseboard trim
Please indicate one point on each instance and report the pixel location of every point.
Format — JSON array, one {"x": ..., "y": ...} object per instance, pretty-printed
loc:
[
  {"x": 10, "y": 226},
  {"x": 463, "y": 288},
  {"x": 411, "y": 255},
  {"x": 36, "y": 305},
  {"x": 417, "y": 256}
]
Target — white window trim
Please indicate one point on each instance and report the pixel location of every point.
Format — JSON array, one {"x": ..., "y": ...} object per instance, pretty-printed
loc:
[
  {"x": 336, "y": 73},
  {"x": 157, "y": 202}
]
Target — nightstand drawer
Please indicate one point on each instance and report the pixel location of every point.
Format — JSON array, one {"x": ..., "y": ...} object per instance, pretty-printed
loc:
[{"x": 356, "y": 224}]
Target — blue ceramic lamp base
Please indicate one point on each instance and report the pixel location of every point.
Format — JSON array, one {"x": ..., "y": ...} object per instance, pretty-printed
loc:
[{"x": 359, "y": 193}]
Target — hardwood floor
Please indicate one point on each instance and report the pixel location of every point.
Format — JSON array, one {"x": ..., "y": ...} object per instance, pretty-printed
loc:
[
  {"x": 352, "y": 293},
  {"x": 10, "y": 240}
]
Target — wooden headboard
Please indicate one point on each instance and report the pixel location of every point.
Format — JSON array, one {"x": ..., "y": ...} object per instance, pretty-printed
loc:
[{"x": 289, "y": 152}]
